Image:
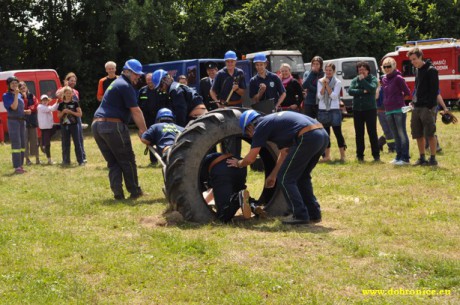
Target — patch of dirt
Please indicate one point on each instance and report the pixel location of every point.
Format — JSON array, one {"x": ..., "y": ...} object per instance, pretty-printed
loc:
[{"x": 167, "y": 219}]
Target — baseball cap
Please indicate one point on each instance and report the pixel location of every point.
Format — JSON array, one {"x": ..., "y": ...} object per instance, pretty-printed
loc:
[{"x": 44, "y": 97}]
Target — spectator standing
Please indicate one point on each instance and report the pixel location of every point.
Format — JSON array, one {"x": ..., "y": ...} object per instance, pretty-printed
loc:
[
  {"x": 104, "y": 83},
  {"x": 329, "y": 113},
  {"x": 294, "y": 94},
  {"x": 265, "y": 85},
  {"x": 68, "y": 112},
  {"x": 363, "y": 88},
  {"x": 31, "y": 135},
  {"x": 423, "y": 120},
  {"x": 206, "y": 84},
  {"x": 71, "y": 81},
  {"x": 310, "y": 83},
  {"x": 46, "y": 124},
  {"x": 394, "y": 89},
  {"x": 387, "y": 137},
  {"x": 14, "y": 105},
  {"x": 111, "y": 132}
]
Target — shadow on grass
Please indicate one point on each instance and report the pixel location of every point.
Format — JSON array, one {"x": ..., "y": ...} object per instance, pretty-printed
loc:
[
  {"x": 131, "y": 202},
  {"x": 262, "y": 225}
]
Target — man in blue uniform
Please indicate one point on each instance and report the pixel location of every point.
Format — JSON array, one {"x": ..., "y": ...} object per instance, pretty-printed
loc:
[
  {"x": 228, "y": 90},
  {"x": 266, "y": 85},
  {"x": 163, "y": 132},
  {"x": 110, "y": 130},
  {"x": 186, "y": 103},
  {"x": 302, "y": 141},
  {"x": 228, "y": 186},
  {"x": 206, "y": 85}
]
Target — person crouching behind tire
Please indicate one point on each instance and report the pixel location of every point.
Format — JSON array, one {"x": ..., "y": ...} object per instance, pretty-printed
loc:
[
  {"x": 301, "y": 140},
  {"x": 163, "y": 132},
  {"x": 228, "y": 186}
]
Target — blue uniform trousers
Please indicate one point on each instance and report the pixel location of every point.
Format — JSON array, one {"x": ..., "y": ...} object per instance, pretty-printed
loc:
[
  {"x": 17, "y": 133},
  {"x": 294, "y": 176},
  {"x": 114, "y": 142},
  {"x": 226, "y": 182}
]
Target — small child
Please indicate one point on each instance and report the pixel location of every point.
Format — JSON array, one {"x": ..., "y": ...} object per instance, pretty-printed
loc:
[
  {"x": 45, "y": 123},
  {"x": 68, "y": 112}
]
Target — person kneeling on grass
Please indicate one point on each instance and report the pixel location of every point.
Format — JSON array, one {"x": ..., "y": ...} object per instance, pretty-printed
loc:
[
  {"x": 302, "y": 141},
  {"x": 163, "y": 132},
  {"x": 227, "y": 185}
]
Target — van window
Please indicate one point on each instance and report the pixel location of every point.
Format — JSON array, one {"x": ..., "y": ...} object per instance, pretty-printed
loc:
[
  {"x": 48, "y": 87},
  {"x": 407, "y": 68},
  {"x": 349, "y": 69},
  {"x": 31, "y": 86}
]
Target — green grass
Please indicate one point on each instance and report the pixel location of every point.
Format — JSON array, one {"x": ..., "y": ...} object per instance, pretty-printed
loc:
[{"x": 64, "y": 240}]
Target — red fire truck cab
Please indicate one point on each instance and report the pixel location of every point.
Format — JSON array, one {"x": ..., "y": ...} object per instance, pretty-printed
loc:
[
  {"x": 39, "y": 82},
  {"x": 444, "y": 53}
]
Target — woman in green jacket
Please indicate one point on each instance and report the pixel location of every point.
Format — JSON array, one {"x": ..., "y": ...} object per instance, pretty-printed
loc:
[{"x": 363, "y": 89}]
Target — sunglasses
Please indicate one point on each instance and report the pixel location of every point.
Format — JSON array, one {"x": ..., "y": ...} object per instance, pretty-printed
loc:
[{"x": 386, "y": 67}]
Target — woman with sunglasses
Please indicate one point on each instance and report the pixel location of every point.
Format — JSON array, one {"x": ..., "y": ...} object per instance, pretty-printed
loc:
[{"x": 394, "y": 89}]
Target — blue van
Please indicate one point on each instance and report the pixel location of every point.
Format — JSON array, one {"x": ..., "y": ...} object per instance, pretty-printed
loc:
[{"x": 195, "y": 69}]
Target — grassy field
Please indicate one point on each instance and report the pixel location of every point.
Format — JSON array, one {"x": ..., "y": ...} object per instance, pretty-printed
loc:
[{"x": 64, "y": 240}]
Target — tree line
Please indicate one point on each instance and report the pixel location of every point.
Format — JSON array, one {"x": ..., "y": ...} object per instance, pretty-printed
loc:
[{"x": 81, "y": 35}]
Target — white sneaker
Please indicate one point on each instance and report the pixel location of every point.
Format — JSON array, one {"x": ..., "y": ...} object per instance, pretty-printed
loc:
[
  {"x": 401, "y": 162},
  {"x": 394, "y": 161}
]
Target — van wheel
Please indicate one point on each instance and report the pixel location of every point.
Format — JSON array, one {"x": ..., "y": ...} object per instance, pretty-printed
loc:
[{"x": 182, "y": 183}]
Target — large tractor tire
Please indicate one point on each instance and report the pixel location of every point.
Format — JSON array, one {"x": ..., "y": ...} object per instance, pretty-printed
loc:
[{"x": 183, "y": 189}]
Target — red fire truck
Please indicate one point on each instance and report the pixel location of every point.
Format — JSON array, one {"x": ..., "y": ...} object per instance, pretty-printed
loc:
[
  {"x": 444, "y": 53},
  {"x": 39, "y": 81}
]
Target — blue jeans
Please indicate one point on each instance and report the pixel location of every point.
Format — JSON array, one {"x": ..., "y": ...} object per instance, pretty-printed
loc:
[
  {"x": 114, "y": 142},
  {"x": 388, "y": 133},
  {"x": 295, "y": 174},
  {"x": 397, "y": 122},
  {"x": 68, "y": 131}
]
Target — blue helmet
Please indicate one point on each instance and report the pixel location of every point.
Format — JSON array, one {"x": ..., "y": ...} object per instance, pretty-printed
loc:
[
  {"x": 157, "y": 76},
  {"x": 260, "y": 57},
  {"x": 164, "y": 113},
  {"x": 133, "y": 65},
  {"x": 230, "y": 55},
  {"x": 247, "y": 117}
]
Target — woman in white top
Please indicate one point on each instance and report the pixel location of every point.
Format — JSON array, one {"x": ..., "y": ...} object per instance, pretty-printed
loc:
[{"x": 329, "y": 113}]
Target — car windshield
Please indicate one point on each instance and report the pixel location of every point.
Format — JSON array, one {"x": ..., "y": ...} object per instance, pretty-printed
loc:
[
  {"x": 295, "y": 61},
  {"x": 349, "y": 69}
]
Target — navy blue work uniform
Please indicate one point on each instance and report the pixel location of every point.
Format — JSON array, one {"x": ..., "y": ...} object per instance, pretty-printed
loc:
[
  {"x": 223, "y": 85},
  {"x": 110, "y": 130},
  {"x": 283, "y": 129},
  {"x": 150, "y": 101},
  {"x": 225, "y": 182},
  {"x": 274, "y": 86},
  {"x": 205, "y": 86},
  {"x": 162, "y": 135},
  {"x": 16, "y": 128},
  {"x": 183, "y": 100}
]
